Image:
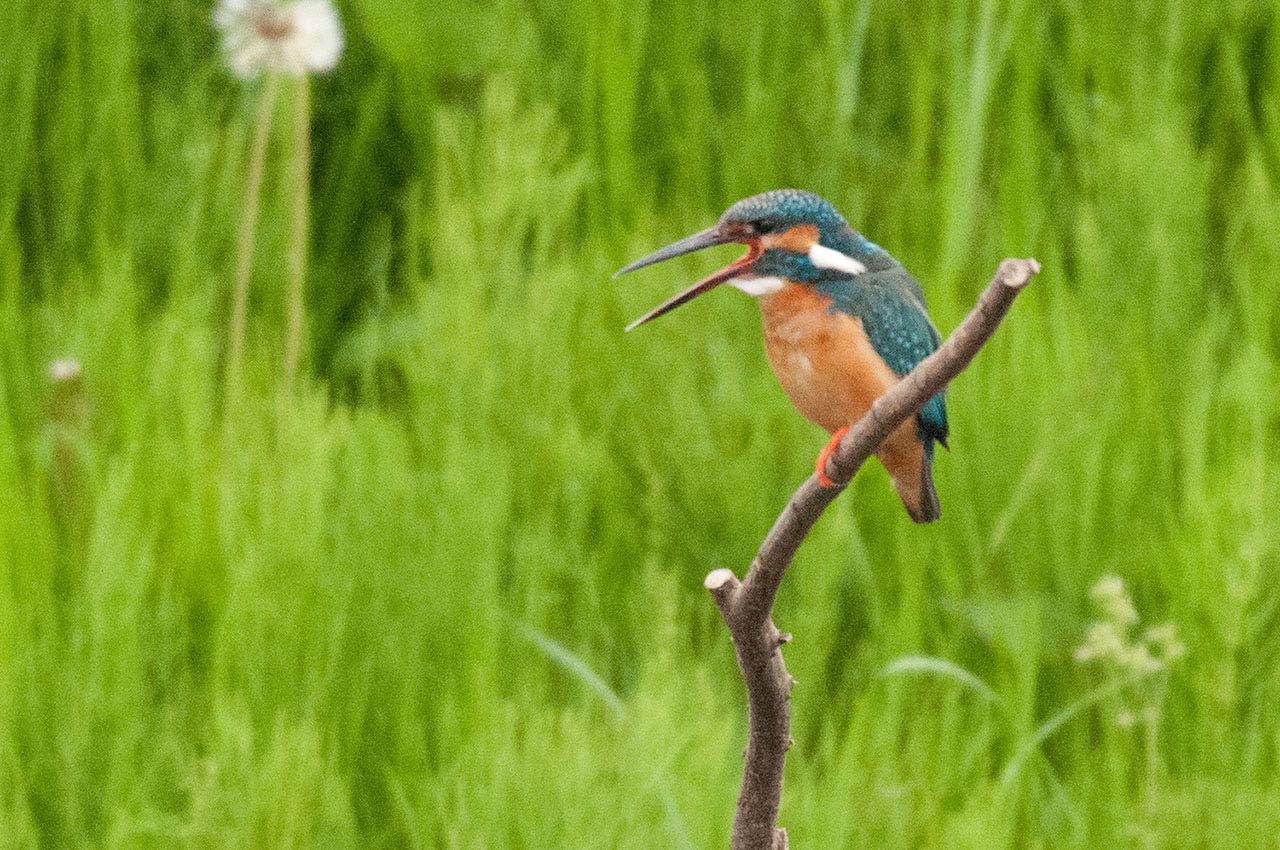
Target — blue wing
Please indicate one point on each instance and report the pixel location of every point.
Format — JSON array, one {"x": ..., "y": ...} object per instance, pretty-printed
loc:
[{"x": 890, "y": 304}]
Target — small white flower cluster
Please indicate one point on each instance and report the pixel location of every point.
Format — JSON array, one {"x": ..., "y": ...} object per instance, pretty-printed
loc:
[
  {"x": 296, "y": 38},
  {"x": 1111, "y": 639}
]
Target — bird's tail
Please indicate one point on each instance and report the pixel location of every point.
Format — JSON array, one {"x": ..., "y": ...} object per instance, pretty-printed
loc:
[
  {"x": 910, "y": 465},
  {"x": 928, "y": 509}
]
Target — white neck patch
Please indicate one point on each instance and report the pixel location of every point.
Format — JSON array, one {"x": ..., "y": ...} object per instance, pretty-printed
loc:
[
  {"x": 829, "y": 258},
  {"x": 757, "y": 286}
]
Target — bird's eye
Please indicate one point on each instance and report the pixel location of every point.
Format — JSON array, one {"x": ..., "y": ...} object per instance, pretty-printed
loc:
[{"x": 768, "y": 225}]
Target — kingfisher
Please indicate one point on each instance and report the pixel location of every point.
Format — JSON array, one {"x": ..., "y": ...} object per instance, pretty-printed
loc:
[{"x": 843, "y": 322}]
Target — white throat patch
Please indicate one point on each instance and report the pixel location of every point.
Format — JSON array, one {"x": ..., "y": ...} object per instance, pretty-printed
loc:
[
  {"x": 829, "y": 258},
  {"x": 757, "y": 286}
]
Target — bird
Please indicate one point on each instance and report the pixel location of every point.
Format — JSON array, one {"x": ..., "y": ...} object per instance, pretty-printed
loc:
[{"x": 843, "y": 322}]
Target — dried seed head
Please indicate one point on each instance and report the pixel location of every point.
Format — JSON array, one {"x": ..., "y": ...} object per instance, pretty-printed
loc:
[
  {"x": 296, "y": 38},
  {"x": 65, "y": 370}
]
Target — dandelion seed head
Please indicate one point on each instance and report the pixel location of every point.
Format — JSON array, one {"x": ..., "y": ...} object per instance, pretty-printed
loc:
[
  {"x": 296, "y": 38},
  {"x": 64, "y": 370}
]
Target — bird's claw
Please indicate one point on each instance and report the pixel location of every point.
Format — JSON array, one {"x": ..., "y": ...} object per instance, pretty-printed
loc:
[{"x": 823, "y": 456}]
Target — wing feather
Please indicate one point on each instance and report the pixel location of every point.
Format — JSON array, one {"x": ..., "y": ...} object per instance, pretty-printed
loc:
[{"x": 890, "y": 304}]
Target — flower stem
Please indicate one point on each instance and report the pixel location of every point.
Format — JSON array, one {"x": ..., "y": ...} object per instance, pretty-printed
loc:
[
  {"x": 295, "y": 307},
  {"x": 1151, "y": 746},
  {"x": 245, "y": 242}
]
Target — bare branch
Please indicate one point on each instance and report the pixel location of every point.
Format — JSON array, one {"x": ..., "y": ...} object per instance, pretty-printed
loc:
[{"x": 747, "y": 606}]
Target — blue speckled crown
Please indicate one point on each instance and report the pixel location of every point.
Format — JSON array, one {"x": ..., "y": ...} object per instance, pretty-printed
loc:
[{"x": 783, "y": 208}]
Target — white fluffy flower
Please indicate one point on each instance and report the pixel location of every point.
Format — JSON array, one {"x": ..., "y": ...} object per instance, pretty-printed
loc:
[{"x": 296, "y": 38}]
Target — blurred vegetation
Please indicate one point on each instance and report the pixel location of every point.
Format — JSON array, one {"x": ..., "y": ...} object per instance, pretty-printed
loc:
[{"x": 450, "y": 597}]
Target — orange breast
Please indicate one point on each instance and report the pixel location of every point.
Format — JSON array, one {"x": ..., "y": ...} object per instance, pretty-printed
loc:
[{"x": 823, "y": 360}]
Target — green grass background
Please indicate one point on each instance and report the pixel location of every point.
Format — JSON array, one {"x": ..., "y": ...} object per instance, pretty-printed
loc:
[{"x": 451, "y": 597}]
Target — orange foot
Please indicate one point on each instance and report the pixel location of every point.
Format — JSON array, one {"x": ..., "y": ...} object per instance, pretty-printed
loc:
[{"x": 821, "y": 466}]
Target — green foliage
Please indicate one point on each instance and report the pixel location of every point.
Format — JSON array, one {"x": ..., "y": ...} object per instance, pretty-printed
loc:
[{"x": 451, "y": 596}]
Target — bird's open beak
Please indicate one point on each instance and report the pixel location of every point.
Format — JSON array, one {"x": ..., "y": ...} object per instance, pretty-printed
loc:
[{"x": 718, "y": 235}]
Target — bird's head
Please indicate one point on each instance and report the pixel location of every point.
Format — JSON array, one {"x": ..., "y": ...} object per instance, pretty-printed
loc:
[{"x": 790, "y": 235}]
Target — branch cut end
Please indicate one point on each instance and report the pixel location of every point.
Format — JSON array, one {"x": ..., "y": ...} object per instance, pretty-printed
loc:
[
  {"x": 717, "y": 579},
  {"x": 1016, "y": 274}
]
